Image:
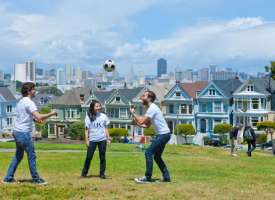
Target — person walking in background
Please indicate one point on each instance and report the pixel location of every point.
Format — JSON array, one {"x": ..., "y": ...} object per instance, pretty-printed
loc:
[
  {"x": 26, "y": 112},
  {"x": 250, "y": 137},
  {"x": 233, "y": 134},
  {"x": 96, "y": 134}
]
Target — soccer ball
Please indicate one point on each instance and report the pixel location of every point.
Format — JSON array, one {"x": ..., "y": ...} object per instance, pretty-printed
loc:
[{"x": 109, "y": 66}]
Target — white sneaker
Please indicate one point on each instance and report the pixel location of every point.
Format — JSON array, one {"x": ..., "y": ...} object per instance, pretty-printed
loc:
[
  {"x": 234, "y": 155},
  {"x": 142, "y": 180}
]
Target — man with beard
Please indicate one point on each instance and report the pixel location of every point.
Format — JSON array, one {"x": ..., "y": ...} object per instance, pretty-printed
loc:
[
  {"x": 153, "y": 115},
  {"x": 26, "y": 112}
]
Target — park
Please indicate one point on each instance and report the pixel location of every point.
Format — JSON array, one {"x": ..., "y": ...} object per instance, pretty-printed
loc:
[{"x": 196, "y": 172}]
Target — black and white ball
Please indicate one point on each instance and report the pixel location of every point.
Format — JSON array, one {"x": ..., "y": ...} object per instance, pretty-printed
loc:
[{"x": 109, "y": 66}]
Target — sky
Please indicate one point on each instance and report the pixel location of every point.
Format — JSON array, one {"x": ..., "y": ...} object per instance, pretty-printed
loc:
[{"x": 189, "y": 34}]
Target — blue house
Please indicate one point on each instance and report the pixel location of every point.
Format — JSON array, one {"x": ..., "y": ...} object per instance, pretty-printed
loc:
[
  {"x": 179, "y": 103},
  {"x": 7, "y": 110},
  {"x": 214, "y": 105}
]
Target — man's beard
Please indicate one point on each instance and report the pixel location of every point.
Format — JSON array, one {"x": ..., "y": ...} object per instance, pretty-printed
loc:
[{"x": 145, "y": 103}]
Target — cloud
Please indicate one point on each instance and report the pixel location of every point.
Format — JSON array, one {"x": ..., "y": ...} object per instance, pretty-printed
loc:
[
  {"x": 238, "y": 41},
  {"x": 87, "y": 32}
]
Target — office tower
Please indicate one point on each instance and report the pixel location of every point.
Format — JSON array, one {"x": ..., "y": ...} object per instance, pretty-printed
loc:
[
  {"x": 20, "y": 72},
  {"x": 161, "y": 67},
  {"x": 203, "y": 74},
  {"x": 69, "y": 73},
  {"x": 60, "y": 77},
  {"x": 31, "y": 70}
]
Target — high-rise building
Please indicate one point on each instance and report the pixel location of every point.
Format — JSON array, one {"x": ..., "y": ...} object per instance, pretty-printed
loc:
[
  {"x": 39, "y": 71},
  {"x": 184, "y": 75},
  {"x": 161, "y": 67},
  {"x": 1, "y": 75},
  {"x": 31, "y": 70},
  {"x": 20, "y": 72},
  {"x": 212, "y": 71},
  {"x": 69, "y": 73},
  {"x": 78, "y": 75},
  {"x": 203, "y": 74},
  {"x": 60, "y": 77}
]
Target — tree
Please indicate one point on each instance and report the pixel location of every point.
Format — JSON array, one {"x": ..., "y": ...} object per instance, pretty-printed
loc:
[
  {"x": 273, "y": 70},
  {"x": 222, "y": 129},
  {"x": 149, "y": 131},
  {"x": 77, "y": 131},
  {"x": 269, "y": 128},
  {"x": 185, "y": 129}
]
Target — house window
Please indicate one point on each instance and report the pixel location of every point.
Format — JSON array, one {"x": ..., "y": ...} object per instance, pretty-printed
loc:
[
  {"x": 255, "y": 103},
  {"x": 68, "y": 114},
  {"x": 114, "y": 112},
  {"x": 9, "y": 121},
  {"x": 171, "y": 108},
  {"x": 117, "y": 99},
  {"x": 72, "y": 114},
  {"x": 212, "y": 92},
  {"x": 203, "y": 107},
  {"x": 263, "y": 103},
  {"x": 9, "y": 108},
  {"x": 190, "y": 109},
  {"x": 250, "y": 88},
  {"x": 177, "y": 94},
  {"x": 217, "y": 106},
  {"x": 183, "y": 109},
  {"x": 123, "y": 113},
  {"x": 254, "y": 121}
]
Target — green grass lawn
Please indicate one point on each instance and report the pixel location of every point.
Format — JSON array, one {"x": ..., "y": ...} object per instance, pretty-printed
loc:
[{"x": 197, "y": 173}]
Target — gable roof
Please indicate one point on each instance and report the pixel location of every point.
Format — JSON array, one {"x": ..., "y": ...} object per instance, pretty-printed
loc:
[
  {"x": 192, "y": 88},
  {"x": 160, "y": 90},
  {"x": 130, "y": 94},
  {"x": 72, "y": 97},
  {"x": 6, "y": 93},
  {"x": 102, "y": 96},
  {"x": 228, "y": 87},
  {"x": 261, "y": 85}
]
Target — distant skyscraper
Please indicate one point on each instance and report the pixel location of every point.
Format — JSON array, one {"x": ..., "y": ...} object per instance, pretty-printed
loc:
[
  {"x": 20, "y": 72},
  {"x": 1, "y": 75},
  {"x": 52, "y": 72},
  {"x": 161, "y": 67},
  {"x": 203, "y": 74},
  {"x": 212, "y": 71},
  {"x": 60, "y": 77},
  {"x": 78, "y": 75},
  {"x": 31, "y": 70},
  {"x": 69, "y": 73},
  {"x": 39, "y": 71}
]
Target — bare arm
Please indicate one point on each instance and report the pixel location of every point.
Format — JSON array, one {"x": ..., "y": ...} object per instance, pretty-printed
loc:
[
  {"x": 41, "y": 117},
  {"x": 87, "y": 137},
  {"x": 144, "y": 125},
  {"x": 142, "y": 121}
]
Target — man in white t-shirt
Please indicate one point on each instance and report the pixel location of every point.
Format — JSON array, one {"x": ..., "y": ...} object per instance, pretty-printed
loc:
[
  {"x": 155, "y": 117},
  {"x": 26, "y": 113}
]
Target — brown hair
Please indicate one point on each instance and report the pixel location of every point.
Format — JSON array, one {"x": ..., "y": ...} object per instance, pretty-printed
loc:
[
  {"x": 26, "y": 88},
  {"x": 151, "y": 95}
]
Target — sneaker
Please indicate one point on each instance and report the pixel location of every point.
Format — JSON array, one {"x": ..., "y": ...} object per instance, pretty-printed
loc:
[
  {"x": 40, "y": 181},
  {"x": 102, "y": 176},
  {"x": 234, "y": 155},
  {"x": 143, "y": 180},
  {"x": 9, "y": 181},
  {"x": 166, "y": 180}
]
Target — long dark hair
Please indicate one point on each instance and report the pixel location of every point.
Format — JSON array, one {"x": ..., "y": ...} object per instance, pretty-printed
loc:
[{"x": 91, "y": 112}]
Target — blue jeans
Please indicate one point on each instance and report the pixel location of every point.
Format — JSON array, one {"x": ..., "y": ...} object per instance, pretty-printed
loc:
[
  {"x": 23, "y": 142},
  {"x": 156, "y": 149}
]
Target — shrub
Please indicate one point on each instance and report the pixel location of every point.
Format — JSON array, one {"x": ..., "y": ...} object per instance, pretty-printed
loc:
[
  {"x": 185, "y": 129},
  {"x": 265, "y": 125},
  {"x": 45, "y": 110},
  {"x": 116, "y": 133},
  {"x": 222, "y": 128},
  {"x": 149, "y": 131},
  {"x": 261, "y": 138},
  {"x": 77, "y": 131}
]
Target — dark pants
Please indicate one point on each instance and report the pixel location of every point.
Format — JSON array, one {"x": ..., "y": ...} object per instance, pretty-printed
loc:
[
  {"x": 90, "y": 152},
  {"x": 251, "y": 146},
  {"x": 23, "y": 143},
  {"x": 156, "y": 149}
]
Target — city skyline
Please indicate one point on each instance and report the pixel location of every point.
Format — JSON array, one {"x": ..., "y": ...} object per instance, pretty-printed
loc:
[{"x": 188, "y": 34}]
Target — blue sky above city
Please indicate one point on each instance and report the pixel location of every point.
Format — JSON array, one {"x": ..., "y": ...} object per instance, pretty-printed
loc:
[{"x": 189, "y": 34}]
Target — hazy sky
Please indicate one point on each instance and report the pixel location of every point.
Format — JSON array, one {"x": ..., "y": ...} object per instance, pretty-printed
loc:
[{"x": 189, "y": 34}]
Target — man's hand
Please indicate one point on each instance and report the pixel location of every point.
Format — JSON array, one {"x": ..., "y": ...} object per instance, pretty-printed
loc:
[{"x": 54, "y": 113}]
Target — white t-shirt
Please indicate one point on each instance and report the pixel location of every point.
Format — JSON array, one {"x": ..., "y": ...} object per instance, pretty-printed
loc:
[
  {"x": 97, "y": 127},
  {"x": 157, "y": 119},
  {"x": 24, "y": 118}
]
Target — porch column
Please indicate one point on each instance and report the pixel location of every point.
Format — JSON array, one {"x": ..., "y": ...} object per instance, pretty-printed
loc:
[{"x": 55, "y": 130}]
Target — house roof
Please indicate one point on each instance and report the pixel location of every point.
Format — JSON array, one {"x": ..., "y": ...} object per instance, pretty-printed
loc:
[
  {"x": 72, "y": 97},
  {"x": 160, "y": 90},
  {"x": 228, "y": 86},
  {"x": 102, "y": 96},
  {"x": 261, "y": 85},
  {"x": 192, "y": 88},
  {"x": 130, "y": 94},
  {"x": 6, "y": 93}
]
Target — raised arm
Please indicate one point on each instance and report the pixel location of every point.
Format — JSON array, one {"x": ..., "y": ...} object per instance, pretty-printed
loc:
[{"x": 41, "y": 117}]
